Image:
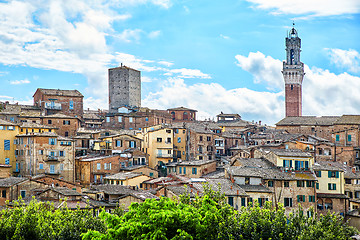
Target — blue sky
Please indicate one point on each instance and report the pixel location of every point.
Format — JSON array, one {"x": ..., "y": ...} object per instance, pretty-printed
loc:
[{"x": 212, "y": 56}]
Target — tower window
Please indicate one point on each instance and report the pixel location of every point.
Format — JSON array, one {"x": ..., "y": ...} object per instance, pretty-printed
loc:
[{"x": 292, "y": 87}]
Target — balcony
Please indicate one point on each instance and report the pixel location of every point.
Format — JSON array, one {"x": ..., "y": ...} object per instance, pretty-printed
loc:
[
  {"x": 49, "y": 172},
  {"x": 52, "y": 158},
  {"x": 164, "y": 155},
  {"x": 53, "y": 105}
]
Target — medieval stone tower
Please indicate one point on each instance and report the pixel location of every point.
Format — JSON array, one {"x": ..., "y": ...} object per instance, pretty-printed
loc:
[
  {"x": 124, "y": 88},
  {"x": 293, "y": 72}
]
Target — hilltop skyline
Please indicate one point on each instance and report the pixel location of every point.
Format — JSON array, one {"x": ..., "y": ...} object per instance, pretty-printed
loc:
[{"x": 207, "y": 56}]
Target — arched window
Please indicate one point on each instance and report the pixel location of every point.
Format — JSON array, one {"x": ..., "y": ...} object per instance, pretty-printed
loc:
[
  {"x": 185, "y": 116},
  {"x": 173, "y": 115},
  {"x": 292, "y": 60}
]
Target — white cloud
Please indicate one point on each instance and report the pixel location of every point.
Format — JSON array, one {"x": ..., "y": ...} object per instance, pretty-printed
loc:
[
  {"x": 19, "y": 82},
  {"x": 166, "y": 63},
  {"x": 154, "y": 34},
  {"x": 163, "y": 3},
  {"x": 210, "y": 99},
  {"x": 146, "y": 79},
  {"x": 189, "y": 73},
  {"x": 265, "y": 69},
  {"x": 309, "y": 7},
  {"x": 130, "y": 35},
  {"x": 348, "y": 59},
  {"x": 95, "y": 103},
  {"x": 324, "y": 93},
  {"x": 224, "y": 37}
]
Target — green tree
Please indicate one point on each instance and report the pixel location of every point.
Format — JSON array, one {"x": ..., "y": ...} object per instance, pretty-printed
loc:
[{"x": 39, "y": 220}]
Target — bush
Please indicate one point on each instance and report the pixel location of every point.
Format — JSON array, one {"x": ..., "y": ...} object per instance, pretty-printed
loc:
[{"x": 40, "y": 220}]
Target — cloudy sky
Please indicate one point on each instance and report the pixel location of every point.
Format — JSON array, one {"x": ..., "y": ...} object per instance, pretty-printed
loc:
[{"x": 207, "y": 55}]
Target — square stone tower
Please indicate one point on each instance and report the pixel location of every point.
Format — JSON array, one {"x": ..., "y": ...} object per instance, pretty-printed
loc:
[
  {"x": 124, "y": 88},
  {"x": 293, "y": 72}
]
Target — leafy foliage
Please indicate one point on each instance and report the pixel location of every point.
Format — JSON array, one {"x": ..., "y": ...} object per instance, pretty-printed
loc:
[
  {"x": 40, "y": 220},
  {"x": 209, "y": 217}
]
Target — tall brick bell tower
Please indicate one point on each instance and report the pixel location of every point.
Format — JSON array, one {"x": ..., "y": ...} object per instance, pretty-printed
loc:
[{"x": 293, "y": 72}]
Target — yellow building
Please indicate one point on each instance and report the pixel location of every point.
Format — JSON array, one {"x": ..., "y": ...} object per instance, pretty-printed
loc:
[
  {"x": 180, "y": 135},
  {"x": 330, "y": 188},
  {"x": 132, "y": 179},
  {"x": 158, "y": 144},
  {"x": 30, "y": 127},
  {"x": 8, "y": 132}
]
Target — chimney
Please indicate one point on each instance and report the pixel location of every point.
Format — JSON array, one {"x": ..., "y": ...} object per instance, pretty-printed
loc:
[
  {"x": 353, "y": 170},
  {"x": 260, "y": 122},
  {"x": 231, "y": 187},
  {"x": 237, "y": 192}
]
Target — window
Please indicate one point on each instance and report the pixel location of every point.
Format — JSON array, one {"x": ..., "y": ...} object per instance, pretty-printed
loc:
[
  {"x": 7, "y": 161},
  {"x": 184, "y": 170},
  {"x": 132, "y": 144},
  {"x": 247, "y": 180},
  {"x": 168, "y": 131},
  {"x": 168, "y": 140},
  {"x": 286, "y": 184},
  {"x": 98, "y": 166},
  {"x": 243, "y": 202},
  {"x": 194, "y": 170},
  {"x": 179, "y": 140},
  {"x": 146, "y": 119},
  {"x": 159, "y": 139},
  {"x": 61, "y": 153},
  {"x": 120, "y": 119},
  {"x": 209, "y": 139},
  {"x": 41, "y": 166},
  {"x": 270, "y": 183},
  {"x": 23, "y": 193},
  {"x": 337, "y": 138},
  {"x": 287, "y": 202},
  {"x": 301, "y": 198},
  {"x": 349, "y": 138},
  {"x": 49, "y": 121},
  {"x": 231, "y": 201},
  {"x": 300, "y": 183},
  {"x": 200, "y": 138},
  {"x": 333, "y": 174},
  {"x": 71, "y": 104},
  {"x": 317, "y": 185},
  {"x": 331, "y": 186},
  {"x": 52, "y": 141},
  {"x": 109, "y": 166},
  {"x": 318, "y": 173},
  {"x": 310, "y": 183},
  {"x": 180, "y": 170},
  {"x": 311, "y": 198},
  {"x": 130, "y": 119},
  {"x": 6, "y": 144},
  {"x": 287, "y": 163},
  {"x": 262, "y": 201},
  {"x": 118, "y": 143},
  {"x": 151, "y": 174},
  {"x": 11, "y": 128},
  {"x": 3, "y": 193},
  {"x": 12, "y": 119},
  {"x": 52, "y": 169},
  {"x": 66, "y": 134},
  {"x": 107, "y": 119},
  {"x": 300, "y": 165},
  {"x": 200, "y": 149}
]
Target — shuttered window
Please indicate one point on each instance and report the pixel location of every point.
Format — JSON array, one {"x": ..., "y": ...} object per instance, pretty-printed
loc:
[{"x": 6, "y": 144}]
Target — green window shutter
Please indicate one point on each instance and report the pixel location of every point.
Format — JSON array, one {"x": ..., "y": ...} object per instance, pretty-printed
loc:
[
  {"x": 337, "y": 138},
  {"x": 319, "y": 173},
  {"x": 334, "y": 186},
  {"x": 298, "y": 198},
  {"x": 317, "y": 185},
  {"x": 337, "y": 174},
  {"x": 329, "y": 174},
  {"x": 303, "y": 198},
  {"x": 329, "y": 186}
]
